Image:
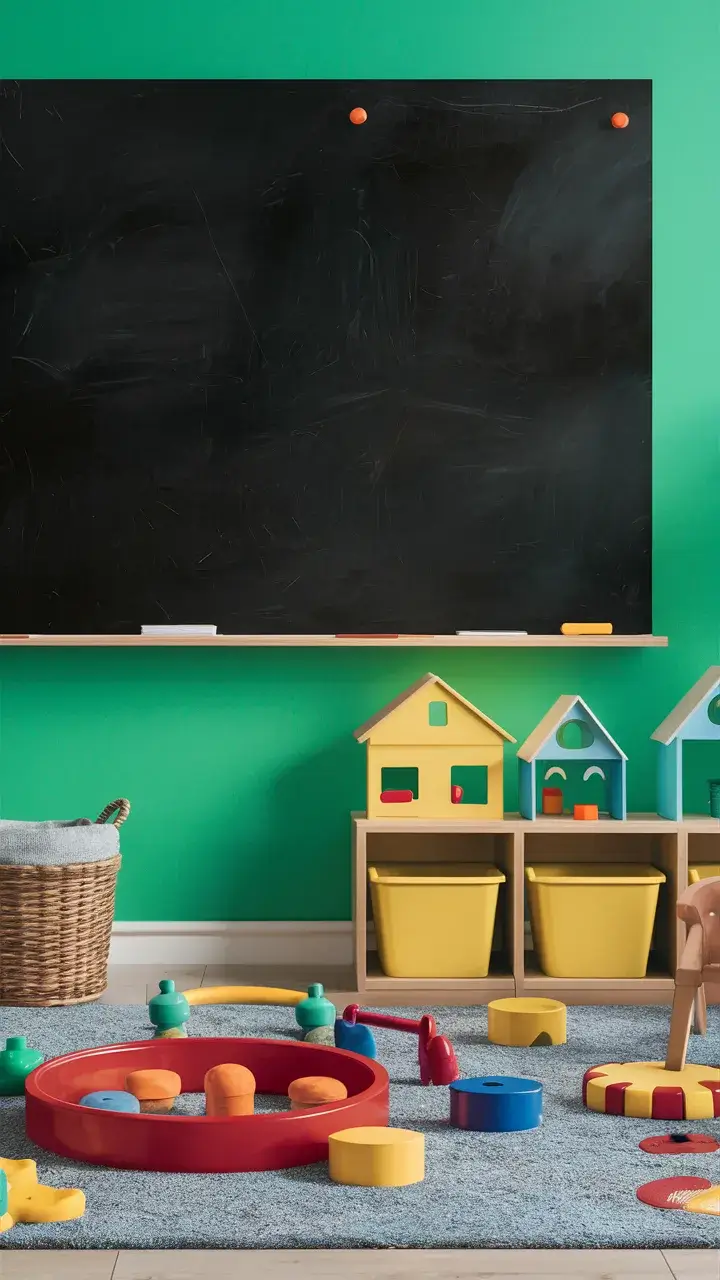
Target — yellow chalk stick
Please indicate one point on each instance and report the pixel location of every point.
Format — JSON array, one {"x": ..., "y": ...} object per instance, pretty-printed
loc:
[{"x": 587, "y": 628}]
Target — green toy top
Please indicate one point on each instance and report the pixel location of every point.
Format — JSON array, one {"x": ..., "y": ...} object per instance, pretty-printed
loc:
[
  {"x": 170, "y": 1008},
  {"x": 315, "y": 1010},
  {"x": 16, "y": 1063}
]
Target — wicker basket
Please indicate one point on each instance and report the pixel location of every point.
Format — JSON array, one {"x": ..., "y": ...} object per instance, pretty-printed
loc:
[{"x": 55, "y": 925}]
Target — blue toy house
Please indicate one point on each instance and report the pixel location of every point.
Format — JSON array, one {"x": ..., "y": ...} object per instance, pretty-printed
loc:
[
  {"x": 695, "y": 718},
  {"x": 571, "y": 734}
]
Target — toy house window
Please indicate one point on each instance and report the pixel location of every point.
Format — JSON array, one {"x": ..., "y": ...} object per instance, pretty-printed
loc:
[
  {"x": 469, "y": 784},
  {"x": 714, "y": 709},
  {"x": 437, "y": 714},
  {"x": 574, "y": 735},
  {"x": 394, "y": 780}
]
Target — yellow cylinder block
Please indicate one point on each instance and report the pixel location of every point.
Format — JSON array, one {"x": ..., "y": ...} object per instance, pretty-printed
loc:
[
  {"x": 375, "y": 1157},
  {"x": 527, "y": 1020}
]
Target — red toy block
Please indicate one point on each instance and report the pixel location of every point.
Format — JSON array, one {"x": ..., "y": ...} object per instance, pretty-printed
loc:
[
  {"x": 456, "y": 794},
  {"x": 585, "y": 813},
  {"x": 396, "y": 797}
]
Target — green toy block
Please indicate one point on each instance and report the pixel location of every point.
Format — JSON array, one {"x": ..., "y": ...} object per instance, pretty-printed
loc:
[
  {"x": 315, "y": 1010},
  {"x": 16, "y": 1063},
  {"x": 168, "y": 1011},
  {"x": 3, "y": 1193}
]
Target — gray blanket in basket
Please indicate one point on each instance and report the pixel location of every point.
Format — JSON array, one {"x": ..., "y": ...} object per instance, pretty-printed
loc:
[{"x": 54, "y": 844}]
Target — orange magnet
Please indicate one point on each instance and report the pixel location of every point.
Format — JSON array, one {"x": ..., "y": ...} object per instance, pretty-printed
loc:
[
  {"x": 619, "y": 120},
  {"x": 358, "y": 115}
]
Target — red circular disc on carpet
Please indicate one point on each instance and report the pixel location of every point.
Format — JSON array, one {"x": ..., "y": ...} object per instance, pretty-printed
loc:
[
  {"x": 680, "y": 1144},
  {"x": 671, "y": 1193}
]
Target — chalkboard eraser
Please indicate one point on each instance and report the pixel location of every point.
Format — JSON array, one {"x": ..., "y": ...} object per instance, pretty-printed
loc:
[
  {"x": 587, "y": 628},
  {"x": 183, "y": 629}
]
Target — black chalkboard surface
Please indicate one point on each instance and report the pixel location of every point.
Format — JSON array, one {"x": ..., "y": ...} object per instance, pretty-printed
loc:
[{"x": 263, "y": 368}]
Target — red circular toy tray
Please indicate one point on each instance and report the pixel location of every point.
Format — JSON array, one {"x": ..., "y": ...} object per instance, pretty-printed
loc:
[{"x": 200, "y": 1144}]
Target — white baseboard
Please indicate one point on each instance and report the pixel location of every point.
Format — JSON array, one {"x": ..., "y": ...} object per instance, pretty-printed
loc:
[{"x": 265, "y": 942}]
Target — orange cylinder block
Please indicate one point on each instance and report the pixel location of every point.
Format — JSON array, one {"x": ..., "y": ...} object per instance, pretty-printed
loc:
[
  {"x": 156, "y": 1090},
  {"x": 229, "y": 1090},
  {"x": 314, "y": 1091}
]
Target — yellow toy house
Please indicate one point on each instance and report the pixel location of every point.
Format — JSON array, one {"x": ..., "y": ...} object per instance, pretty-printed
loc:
[{"x": 432, "y": 754}]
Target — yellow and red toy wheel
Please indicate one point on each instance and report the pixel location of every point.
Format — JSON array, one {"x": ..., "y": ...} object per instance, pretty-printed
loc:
[{"x": 646, "y": 1090}]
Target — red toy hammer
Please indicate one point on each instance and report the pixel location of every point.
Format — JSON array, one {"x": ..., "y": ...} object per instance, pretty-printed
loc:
[{"x": 436, "y": 1056}]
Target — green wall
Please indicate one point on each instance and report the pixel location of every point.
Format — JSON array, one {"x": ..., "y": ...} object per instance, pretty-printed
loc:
[{"x": 240, "y": 764}]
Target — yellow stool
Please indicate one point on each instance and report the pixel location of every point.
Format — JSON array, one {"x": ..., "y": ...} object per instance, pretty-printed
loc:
[
  {"x": 527, "y": 1020},
  {"x": 375, "y": 1157}
]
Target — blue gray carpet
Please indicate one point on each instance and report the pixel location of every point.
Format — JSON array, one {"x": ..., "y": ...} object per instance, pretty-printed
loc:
[{"x": 570, "y": 1184}]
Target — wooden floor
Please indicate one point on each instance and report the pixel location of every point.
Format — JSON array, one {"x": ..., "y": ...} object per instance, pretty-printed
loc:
[
  {"x": 132, "y": 984},
  {"x": 486, "y": 1264}
]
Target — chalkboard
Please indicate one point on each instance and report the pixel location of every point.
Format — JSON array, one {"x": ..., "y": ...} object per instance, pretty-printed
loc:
[{"x": 264, "y": 368}]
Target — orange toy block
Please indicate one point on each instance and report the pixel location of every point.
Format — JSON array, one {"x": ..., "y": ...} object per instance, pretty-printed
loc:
[
  {"x": 229, "y": 1090},
  {"x": 585, "y": 813},
  {"x": 155, "y": 1090},
  {"x": 552, "y": 801},
  {"x": 314, "y": 1091}
]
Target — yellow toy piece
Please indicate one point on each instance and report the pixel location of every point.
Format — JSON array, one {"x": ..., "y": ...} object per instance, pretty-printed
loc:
[
  {"x": 244, "y": 995},
  {"x": 375, "y": 1157},
  {"x": 705, "y": 1202},
  {"x": 527, "y": 1020},
  {"x": 432, "y": 754},
  {"x": 642, "y": 1079},
  {"x": 30, "y": 1201}
]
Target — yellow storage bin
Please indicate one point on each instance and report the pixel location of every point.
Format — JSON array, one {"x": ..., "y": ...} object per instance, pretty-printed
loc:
[
  {"x": 593, "y": 920},
  {"x": 434, "y": 920},
  {"x": 704, "y": 871}
]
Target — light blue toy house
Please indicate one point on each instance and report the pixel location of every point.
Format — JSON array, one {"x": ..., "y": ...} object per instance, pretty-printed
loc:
[
  {"x": 570, "y": 733},
  {"x": 696, "y": 718}
]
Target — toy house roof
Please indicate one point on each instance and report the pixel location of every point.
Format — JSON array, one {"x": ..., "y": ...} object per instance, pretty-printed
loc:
[
  {"x": 680, "y": 714},
  {"x": 552, "y": 720},
  {"x": 366, "y": 729}
]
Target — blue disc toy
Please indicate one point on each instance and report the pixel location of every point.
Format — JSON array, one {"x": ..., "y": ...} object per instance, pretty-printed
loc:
[
  {"x": 496, "y": 1104},
  {"x": 111, "y": 1100}
]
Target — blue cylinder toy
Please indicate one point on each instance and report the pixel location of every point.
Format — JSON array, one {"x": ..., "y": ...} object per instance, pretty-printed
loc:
[
  {"x": 111, "y": 1100},
  {"x": 496, "y": 1104}
]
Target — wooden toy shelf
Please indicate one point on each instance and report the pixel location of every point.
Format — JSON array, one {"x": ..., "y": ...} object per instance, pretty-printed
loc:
[
  {"x": 510, "y": 845},
  {"x": 339, "y": 642}
]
